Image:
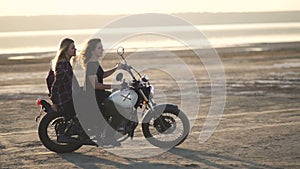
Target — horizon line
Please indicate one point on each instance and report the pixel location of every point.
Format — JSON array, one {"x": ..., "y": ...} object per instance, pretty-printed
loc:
[{"x": 174, "y": 13}]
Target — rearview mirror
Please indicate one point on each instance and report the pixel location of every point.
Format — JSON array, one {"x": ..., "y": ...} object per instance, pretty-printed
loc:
[{"x": 120, "y": 51}]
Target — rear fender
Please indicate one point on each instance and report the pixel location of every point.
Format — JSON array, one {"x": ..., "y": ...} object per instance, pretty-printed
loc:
[{"x": 46, "y": 106}]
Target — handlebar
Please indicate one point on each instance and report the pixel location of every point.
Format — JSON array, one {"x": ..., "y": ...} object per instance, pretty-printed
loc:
[
  {"x": 125, "y": 66},
  {"x": 128, "y": 69}
]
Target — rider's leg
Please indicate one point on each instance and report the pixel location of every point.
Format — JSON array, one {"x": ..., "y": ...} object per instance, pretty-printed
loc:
[
  {"x": 68, "y": 111},
  {"x": 113, "y": 121}
]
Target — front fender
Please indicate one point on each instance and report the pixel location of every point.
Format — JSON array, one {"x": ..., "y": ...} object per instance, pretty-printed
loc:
[{"x": 158, "y": 110}]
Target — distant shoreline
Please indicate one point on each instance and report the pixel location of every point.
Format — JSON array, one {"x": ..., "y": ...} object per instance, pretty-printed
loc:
[{"x": 245, "y": 49}]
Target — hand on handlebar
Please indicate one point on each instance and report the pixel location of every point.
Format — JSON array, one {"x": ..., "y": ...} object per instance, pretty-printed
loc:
[{"x": 123, "y": 66}]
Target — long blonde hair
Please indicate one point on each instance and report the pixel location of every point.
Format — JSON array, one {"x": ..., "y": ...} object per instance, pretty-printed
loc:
[
  {"x": 86, "y": 52},
  {"x": 61, "y": 53}
]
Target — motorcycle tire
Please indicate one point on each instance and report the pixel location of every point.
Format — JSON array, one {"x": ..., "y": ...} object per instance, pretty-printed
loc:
[
  {"x": 149, "y": 128},
  {"x": 52, "y": 144}
]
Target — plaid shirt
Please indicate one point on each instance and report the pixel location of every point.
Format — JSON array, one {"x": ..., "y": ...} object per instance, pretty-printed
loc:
[{"x": 61, "y": 91}]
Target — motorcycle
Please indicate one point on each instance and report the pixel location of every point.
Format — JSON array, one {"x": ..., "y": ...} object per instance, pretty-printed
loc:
[{"x": 163, "y": 125}]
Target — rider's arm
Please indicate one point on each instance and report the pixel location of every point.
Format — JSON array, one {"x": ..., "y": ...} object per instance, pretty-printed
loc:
[
  {"x": 111, "y": 71},
  {"x": 100, "y": 86}
]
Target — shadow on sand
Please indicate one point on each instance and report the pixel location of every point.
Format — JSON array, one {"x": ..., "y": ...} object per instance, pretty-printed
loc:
[
  {"x": 87, "y": 161},
  {"x": 195, "y": 159},
  {"x": 208, "y": 159}
]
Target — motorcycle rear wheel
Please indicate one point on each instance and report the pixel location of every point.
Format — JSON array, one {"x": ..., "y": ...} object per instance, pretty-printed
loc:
[{"x": 47, "y": 135}]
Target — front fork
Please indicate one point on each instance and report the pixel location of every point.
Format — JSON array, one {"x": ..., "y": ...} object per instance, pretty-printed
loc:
[{"x": 160, "y": 122}]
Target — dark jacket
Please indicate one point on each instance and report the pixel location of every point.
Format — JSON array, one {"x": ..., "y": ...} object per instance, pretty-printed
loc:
[{"x": 61, "y": 90}]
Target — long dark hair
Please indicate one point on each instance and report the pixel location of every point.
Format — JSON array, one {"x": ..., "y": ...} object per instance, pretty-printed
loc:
[
  {"x": 61, "y": 53},
  {"x": 86, "y": 53}
]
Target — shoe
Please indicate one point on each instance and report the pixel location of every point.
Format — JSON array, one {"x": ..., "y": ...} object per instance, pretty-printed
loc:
[
  {"x": 88, "y": 142},
  {"x": 85, "y": 139},
  {"x": 83, "y": 136},
  {"x": 65, "y": 139}
]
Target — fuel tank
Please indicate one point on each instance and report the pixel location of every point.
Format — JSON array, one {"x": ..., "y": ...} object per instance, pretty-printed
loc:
[{"x": 124, "y": 100}]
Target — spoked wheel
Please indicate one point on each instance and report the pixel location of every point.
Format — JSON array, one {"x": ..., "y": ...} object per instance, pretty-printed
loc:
[
  {"x": 170, "y": 129},
  {"x": 48, "y": 137}
]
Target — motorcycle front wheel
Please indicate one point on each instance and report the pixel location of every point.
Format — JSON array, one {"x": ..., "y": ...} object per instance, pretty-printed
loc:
[
  {"x": 48, "y": 137},
  {"x": 169, "y": 130}
]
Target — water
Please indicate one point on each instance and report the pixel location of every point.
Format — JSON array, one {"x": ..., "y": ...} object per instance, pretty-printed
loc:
[{"x": 221, "y": 35}]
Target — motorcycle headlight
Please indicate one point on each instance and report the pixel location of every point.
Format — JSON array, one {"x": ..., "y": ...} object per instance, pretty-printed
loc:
[{"x": 145, "y": 78}]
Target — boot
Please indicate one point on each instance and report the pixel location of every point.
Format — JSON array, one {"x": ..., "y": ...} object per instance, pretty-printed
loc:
[{"x": 60, "y": 132}]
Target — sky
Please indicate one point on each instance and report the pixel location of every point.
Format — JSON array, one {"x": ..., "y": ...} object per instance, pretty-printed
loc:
[{"x": 101, "y": 7}]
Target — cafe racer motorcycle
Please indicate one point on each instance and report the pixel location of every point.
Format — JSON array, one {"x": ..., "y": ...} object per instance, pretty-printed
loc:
[{"x": 163, "y": 125}]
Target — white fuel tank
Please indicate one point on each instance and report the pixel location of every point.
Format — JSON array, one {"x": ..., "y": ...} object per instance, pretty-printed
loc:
[{"x": 125, "y": 98}]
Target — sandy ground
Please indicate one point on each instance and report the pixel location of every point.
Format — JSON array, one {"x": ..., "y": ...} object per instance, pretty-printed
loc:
[{"x": 260, "y": 126}]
